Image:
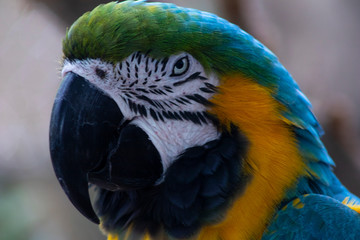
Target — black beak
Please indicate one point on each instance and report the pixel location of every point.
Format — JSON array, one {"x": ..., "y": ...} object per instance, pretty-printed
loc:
[{"x": 90, "y": 141}]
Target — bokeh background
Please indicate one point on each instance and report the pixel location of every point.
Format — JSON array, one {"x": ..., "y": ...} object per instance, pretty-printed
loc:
[{"x": 317, "y": 41}]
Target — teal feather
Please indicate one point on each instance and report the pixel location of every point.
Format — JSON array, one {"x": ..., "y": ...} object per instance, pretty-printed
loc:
[{"x": 314, "y": 216}]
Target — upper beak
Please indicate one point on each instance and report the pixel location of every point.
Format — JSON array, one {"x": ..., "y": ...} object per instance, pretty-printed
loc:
[
  {"x": 83, "y": 121},
  {"x": 91, "y": 141}
]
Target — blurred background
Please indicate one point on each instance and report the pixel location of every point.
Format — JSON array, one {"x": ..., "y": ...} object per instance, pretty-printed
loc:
[{"x": 317, "y": 41}]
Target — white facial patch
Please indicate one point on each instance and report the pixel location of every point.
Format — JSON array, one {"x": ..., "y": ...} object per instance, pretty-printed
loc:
[{"x": 167, "y": 98}]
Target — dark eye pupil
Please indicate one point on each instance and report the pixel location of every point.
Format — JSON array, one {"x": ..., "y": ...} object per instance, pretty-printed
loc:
[{"x": 179, "y": 64}]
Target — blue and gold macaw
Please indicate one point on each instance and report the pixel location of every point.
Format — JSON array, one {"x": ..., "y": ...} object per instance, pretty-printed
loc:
[{"x": 189, "y": 128}]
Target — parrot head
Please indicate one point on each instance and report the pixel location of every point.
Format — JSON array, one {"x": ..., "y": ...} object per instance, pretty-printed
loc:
[{"x": 173, "y": 114}]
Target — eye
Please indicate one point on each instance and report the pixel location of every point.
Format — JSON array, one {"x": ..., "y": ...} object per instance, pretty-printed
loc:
[{"x": 180, "y": 67}]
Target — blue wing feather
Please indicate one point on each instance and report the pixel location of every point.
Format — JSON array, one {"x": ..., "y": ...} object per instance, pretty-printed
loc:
[{"x": 314, "y": 216}]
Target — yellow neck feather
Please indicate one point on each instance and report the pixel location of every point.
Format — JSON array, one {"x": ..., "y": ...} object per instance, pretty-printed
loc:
[{"x": 273, "y": 160}]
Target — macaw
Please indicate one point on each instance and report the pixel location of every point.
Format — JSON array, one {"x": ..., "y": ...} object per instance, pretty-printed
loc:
[{"x": 189, "y": 128}]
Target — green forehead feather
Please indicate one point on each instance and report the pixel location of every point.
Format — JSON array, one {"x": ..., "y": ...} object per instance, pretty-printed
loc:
[{"x": 113, "y": 31}]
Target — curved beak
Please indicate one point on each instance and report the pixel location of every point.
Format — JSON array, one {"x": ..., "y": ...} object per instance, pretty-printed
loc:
[
  {"x": 83, "y": 122},
  {"x": 90, "y": 141}
]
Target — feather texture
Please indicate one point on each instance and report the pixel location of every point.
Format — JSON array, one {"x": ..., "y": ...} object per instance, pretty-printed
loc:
[
  {"x": 285, "y": 160},
  {"x": 314, "y": 216}
]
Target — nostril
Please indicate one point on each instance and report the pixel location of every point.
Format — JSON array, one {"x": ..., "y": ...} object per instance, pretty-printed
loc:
[{"x": 100, "y": 73}]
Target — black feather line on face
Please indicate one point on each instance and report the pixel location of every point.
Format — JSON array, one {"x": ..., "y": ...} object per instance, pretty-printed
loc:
[
  {"x": 142, "y": 90},
  {"x": 132, "y": 58},
  {"x": 160, "y": 117},
  {"x": 142, "y": 110},
  {"x": 197, "y": 190},
  {"x": 193, "y": 76},
  {"x": 153, "y": 114},
  {"x": 156, "y": 65},
  {"x": 199, "y": 99},
  {"x": 145, "y": 98},
  {"x": 164, "y": 64},
  {"x": 207, "y": 90},
  {"x": 160, "y": 110},
  {"x": 139, "y": 55},
  {"x": 147, "y": 65}
]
